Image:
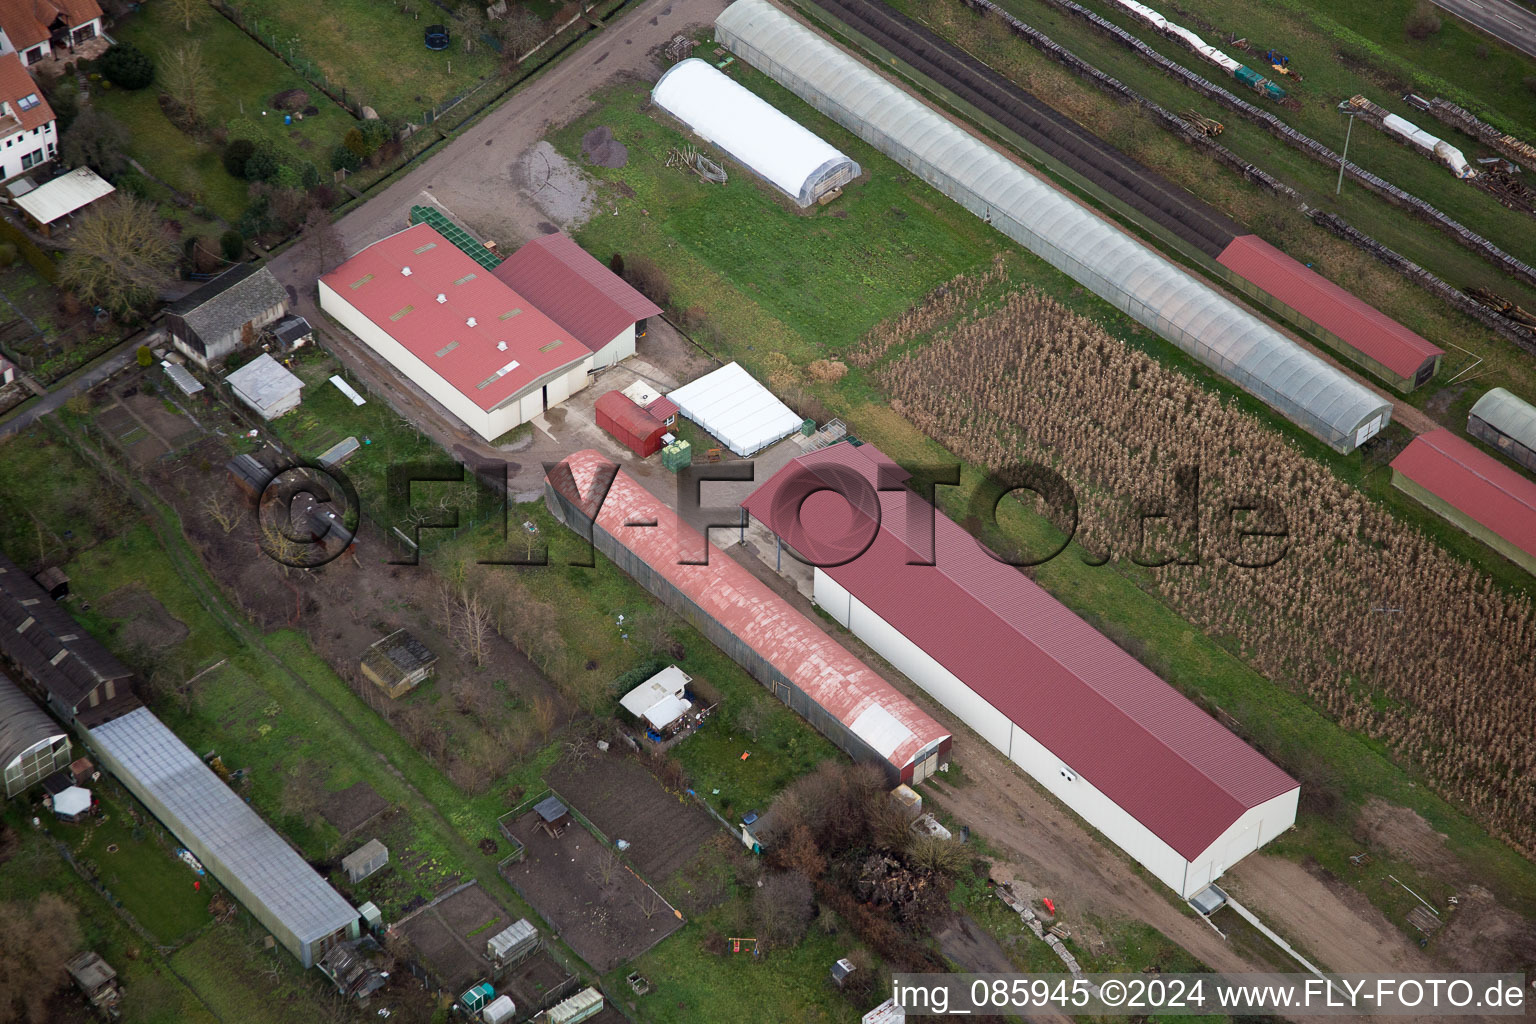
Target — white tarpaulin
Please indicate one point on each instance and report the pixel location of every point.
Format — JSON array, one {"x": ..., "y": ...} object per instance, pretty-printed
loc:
[
  {"x": 734, "y": 407},
  {"x": 72, "y": 801},
  {"x": 751, "y": 130}
]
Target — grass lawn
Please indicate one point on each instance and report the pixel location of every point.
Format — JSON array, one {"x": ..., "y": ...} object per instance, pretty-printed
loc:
[
  {"x": 231, "y": 972},
  {"x": 51, "y": 503},
  {"x": 689, "y": 985},
  {"x": 140, "y": 870},
  {"x": 372, "y": 50},
  {"x": 245, "y": 78},
  {"x": 830, "y": 273},
  {"x": 327, "y": 416}
]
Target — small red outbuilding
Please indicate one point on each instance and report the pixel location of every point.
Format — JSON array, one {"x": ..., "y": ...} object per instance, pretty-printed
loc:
[{"x": 625, "y": 420}]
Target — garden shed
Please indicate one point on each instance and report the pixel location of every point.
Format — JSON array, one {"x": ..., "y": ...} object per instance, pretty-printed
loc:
[
  {"x": 554, "y": 816},
  {"x": 767, "y": 141},
  {"x": 583, "y": 1005},
  {"x": 661, "y": 701},
  {"x": 51, "y": 205},
  {"x": 1123, "y": 271},
  {"x": 397, "y": 663},
  {"x": 266, "y": 386},
  {"x": 637, "y": 429},
  {"x": 1507, "y": 423},
  {"x": 365, "y": 860}
]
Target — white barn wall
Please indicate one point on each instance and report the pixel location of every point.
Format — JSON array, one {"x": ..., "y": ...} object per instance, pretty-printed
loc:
[
  {"x": 489, "y": 425},
  {"x": 617, "y": 350},
  {"x": 1257, "y": 825}
]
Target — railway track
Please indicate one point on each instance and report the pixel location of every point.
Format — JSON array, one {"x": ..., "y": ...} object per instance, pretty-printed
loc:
[{"x": 1041, "y": 125}]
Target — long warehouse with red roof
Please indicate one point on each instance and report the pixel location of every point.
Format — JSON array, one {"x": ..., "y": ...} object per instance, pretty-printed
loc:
[
  {"x": 1456, "y": 479},
  {"x": 778, "y": 646},
  {"x": 1127, "y": 752}
]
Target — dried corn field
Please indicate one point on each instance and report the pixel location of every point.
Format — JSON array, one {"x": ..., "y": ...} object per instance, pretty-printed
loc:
[{"x": 1446, "y": 678}]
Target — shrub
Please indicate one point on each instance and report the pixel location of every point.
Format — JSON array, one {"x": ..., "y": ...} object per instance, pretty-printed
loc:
[
  {"x": 128, "y": 67},
  {"x": 288, "y": 176},
  {"x": 1530, "y": 83},
  {"x": 1423, "y": 22},
  {"x": 309, "y": 175},
  {"x": 7, "y": 254},
  {"x": 343, "y": 159},
  {"x": 236, "y": 155},
  {"x": 232, "y": 244},
  {"x": 648, "y": 279},
  {"x": 262, "y": 165},
  {"x": 144, "y": 355}
]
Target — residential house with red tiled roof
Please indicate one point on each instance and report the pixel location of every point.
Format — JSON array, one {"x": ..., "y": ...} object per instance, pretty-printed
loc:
[
  {"x": 29, "y": 134},
  {"x": 33, "y": 29}
]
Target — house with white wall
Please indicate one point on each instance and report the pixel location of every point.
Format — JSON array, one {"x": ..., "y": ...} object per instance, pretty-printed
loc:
[
  {"x": 35, "y": 29},
  {"x": 29, "y": 134}
]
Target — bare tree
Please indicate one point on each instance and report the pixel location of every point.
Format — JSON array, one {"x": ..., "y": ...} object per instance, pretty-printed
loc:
[
  {"x": 323, "y": 245},
  {"x": 187, "y": 79},
  {"x": 783, "y": 905},
  {"x": 222, "y": 508},
  {"x": 544, "y": 714},
  {"x": 472, "y": 25},
  {"x": 118, "y": 255},
  {"x": 36, "y": 940},
  {"x": 648, "y": 900},
  {"x": 606, "y": 866},
  {"x": 518, "y": 31},
  {"x": 471, "y": 625},
  {"x": 189, "y": 11}
]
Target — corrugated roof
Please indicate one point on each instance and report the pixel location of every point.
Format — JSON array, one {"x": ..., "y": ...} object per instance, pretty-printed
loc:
[
  {"x": 1508, "y": 414},
  {"x": 264, "y": 382},
  {"x": 617, "y": 406},
  {"x": 1355, "y": 321},
  {"x": 64, "y": 195},
  {"x": 242, "y": 850},
  {"x": 1479, "y": 486},
  {"x": 230, "y": 300},
  {"x": 1105, "y": 715},
  {"x": 723, "y": 589},
  {"x": 574, "y": 290},
  {"x": 55, "y": 651},
  {"x": 23, "y": 724},
  {"x": 470, "y": 358}
]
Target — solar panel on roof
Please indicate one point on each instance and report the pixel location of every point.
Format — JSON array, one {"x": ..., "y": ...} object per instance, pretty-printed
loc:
[{"x": 462, "y": 239}]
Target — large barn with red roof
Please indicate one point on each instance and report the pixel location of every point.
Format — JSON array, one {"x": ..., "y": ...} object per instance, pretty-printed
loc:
[
  {"x": 1128, "y": 753},
  {"x": 778, "y": 646},
  {"x": 492, "y": 355}
]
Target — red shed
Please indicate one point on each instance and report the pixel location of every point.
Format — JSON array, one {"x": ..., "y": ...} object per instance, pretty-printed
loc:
[{"x": 625, "y": 420}]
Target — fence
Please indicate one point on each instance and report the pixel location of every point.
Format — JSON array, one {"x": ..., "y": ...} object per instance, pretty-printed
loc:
[{"x": 1307, "y": 145}]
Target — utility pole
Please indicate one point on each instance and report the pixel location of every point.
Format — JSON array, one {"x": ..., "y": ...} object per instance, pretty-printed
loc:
[{"x": 1345, "y": 108}]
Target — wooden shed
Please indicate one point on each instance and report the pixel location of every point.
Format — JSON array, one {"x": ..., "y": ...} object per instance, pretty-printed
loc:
[{"x": 397, "y": 663}]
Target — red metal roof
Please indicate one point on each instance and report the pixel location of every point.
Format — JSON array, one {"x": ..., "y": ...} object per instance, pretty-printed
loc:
[
  {"x": 1474, "y": 482},
  {"x": 629, "y": 423},
  {"x": 574, "y": 289},
  {"x": 1105, "y": 715},
  {"x": 663, "y": 408},
  {"x": 1314, "y": 296},
  {"x": 472, "y": 359},
  {"x": 724, "y": 590}
]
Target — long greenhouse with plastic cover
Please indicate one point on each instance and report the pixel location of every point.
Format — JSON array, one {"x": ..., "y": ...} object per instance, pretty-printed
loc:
[{"x": 1194, "y": 316}]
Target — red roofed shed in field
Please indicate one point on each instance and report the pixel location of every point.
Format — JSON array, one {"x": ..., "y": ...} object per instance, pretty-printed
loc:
[
  {"x": 483, "y": 351},
  {"x": 1472, "y": 489},
  {"x": 579, "y": 294},
  {"x": 1130, "y": 754},
  {"x": 1369, "y": 337},
  {"x": 639, "y": 430},
  {"x": 782, "y": 649}
]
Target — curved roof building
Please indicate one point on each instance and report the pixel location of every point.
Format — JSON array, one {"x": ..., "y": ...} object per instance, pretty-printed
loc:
[
  {"x": 793, "y": 159},
  {"x": 1192, "y": 315},
  {"x": 1506, "y": 422}
]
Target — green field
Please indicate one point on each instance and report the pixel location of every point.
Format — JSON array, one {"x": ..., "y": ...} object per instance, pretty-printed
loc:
[{"x": 373, "y": 51}]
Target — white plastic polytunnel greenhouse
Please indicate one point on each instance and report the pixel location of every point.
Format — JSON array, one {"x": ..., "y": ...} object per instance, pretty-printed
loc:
[
  {"x": 1192, "y": 315},
  {"x": 717, "y": 109}
]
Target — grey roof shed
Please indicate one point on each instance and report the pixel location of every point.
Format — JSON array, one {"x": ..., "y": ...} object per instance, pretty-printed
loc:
[
  {"x": 230, "y": 300},
  {"x": 267, "y": 386},
  {"x": 365, "y": 860},
  {"x": 241, "y": 850}
]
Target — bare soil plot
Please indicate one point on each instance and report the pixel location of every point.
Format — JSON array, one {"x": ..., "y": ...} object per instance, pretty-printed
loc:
[
  {"x": 449, "y": 935},
  {"x": 346, "y": 809},
  {"x": 148, "y": 626},
  {"x": 625, "y": 801},
  {"x": 602, "y": 910}
]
